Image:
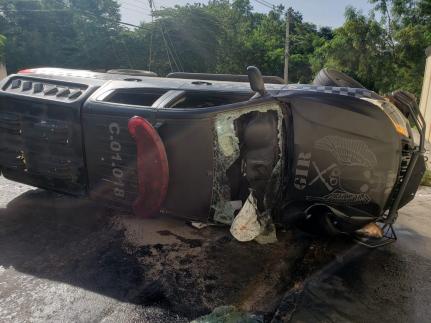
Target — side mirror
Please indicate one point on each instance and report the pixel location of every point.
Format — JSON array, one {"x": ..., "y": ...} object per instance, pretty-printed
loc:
[{"x": 256, "y": 80}]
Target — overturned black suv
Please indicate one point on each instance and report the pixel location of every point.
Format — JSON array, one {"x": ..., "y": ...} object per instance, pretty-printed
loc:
[{"x": 216, "y": 148}]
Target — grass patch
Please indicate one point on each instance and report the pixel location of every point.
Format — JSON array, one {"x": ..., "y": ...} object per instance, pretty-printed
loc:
[{"x": 426, "y": 180}]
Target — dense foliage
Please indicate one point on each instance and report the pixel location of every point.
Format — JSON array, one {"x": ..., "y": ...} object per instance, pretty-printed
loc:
[
  {"x": 385, "y": 54},
  {"x": 221, "y": 36}
]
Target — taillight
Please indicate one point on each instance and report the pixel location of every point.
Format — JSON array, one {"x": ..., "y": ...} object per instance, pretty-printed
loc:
[
  {"x": 152, "y": 167},
  {"x": 26, "y": 71}
]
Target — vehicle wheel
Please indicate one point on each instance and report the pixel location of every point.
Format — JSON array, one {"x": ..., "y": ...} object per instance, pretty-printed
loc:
[
  {"x": 402, "y": 100},
  {"x": 309, "y": 225},
  {"x": 319, "y": 224},
  {"x": 330, "y": 77},
  {"x": 329, "y": 224}
]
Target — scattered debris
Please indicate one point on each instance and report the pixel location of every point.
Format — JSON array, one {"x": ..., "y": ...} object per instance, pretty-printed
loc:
[
  {"x": 247, "y": 148},
  {"x": 426, "y": 180},
  {"x": 229, "y": 314},
  {"x": 199, "y": 225},
  {"x": 371, "y": 230},
  {"x": 269, "y": 234},
  {"x": 225, "y": 211},
  {"x": 245, "y": 226},
  {"x": 249, "y": 224}
]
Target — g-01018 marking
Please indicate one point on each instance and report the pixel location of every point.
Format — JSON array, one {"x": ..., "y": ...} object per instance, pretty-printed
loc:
[{"x": 117, "y": 172}]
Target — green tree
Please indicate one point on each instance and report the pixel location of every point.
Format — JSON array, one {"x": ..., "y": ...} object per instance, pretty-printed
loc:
[
  {"x": 221, "y": 36},
  {"x": 186, "y": 39},
  {"x": 359, "y": 49},
  {"x": 237, "y": 22},
  {"x": 2, "y": 45},
  {"x": 408, "y": 24},
  {"x": 304, "y": 40},
  {"x": 384, "y": 55},
  {"x": 74, "y": 33}
]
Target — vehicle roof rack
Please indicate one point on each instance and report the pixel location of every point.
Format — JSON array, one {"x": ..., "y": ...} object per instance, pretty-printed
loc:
[
  {"x": 222, "y": 77},
  {"x": 126, "y": 71}
]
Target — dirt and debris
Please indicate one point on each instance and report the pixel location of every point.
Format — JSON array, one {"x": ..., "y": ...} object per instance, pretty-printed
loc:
[
  {"x": 229, "y": 314},
  {"x": 199, "y": 270},
  {"x": 99, "y": 264},
  {"x": 246, "y": 225},
  {"x": 371, "y": 230}
]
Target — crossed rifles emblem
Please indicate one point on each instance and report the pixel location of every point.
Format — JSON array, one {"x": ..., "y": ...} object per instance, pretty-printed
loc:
[{"x": 334, "y": 176}]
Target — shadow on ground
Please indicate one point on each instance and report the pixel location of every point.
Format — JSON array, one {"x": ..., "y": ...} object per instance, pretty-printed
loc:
[
  {"x": 73, "y": 241},
  {"x": 380, "y": 286},
  {"x": 389, "y": 284},
  {"x": 70, "y": 240},
  {"x": 166, "y": 265}
]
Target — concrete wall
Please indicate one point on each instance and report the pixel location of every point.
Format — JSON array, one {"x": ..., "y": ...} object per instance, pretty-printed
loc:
[
  {"x": 3, "y": 72},
  {"x": 425, "y": 102}
]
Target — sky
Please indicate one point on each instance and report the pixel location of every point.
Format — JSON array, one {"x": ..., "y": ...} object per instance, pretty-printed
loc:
[{"x": 320, "y": 12}]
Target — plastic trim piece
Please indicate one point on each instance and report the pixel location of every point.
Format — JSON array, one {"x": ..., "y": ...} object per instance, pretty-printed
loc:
[
  {"x": 419, "y": 121},
  {"x": 168, "y": 99},
  {"x": 222, "y": 77}
]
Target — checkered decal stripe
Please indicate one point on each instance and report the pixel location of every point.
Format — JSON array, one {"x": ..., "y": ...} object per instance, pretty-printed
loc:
[{"x": 348, "y": 91}]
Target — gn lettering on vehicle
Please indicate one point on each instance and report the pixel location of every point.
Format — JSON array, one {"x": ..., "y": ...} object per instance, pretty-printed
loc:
[
  {"x": 115, "y": 147},
  {"x": 301, "y": 172}
]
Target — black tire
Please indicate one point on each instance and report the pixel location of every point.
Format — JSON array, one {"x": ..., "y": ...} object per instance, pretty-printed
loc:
[
  {"x": 402, "y": 100},
  {"x": 319, "y": 224},
  {"x": 330, "y": 77}
]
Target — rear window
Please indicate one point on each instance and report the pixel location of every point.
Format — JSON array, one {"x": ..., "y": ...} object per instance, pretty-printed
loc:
[
  {"x": 135, "y": 97},
  {"x": 191, "y": 99},
  {"x": 210, "y": 99}
]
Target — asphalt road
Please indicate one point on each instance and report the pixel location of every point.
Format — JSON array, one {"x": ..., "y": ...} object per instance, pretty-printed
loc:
[
  {"x": 66, "y": 259},
  {"x": 390, "y": 284}
]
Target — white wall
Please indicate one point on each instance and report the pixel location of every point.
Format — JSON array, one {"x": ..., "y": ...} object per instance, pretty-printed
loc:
[
  {"x": 3, "y": 72},
  {"x": 425, "y": 102}
]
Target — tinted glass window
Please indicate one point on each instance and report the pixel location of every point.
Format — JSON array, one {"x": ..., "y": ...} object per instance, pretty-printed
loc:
[
  {"x": 142, "y": 97},
  {"x": 209, "y": 99}
]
